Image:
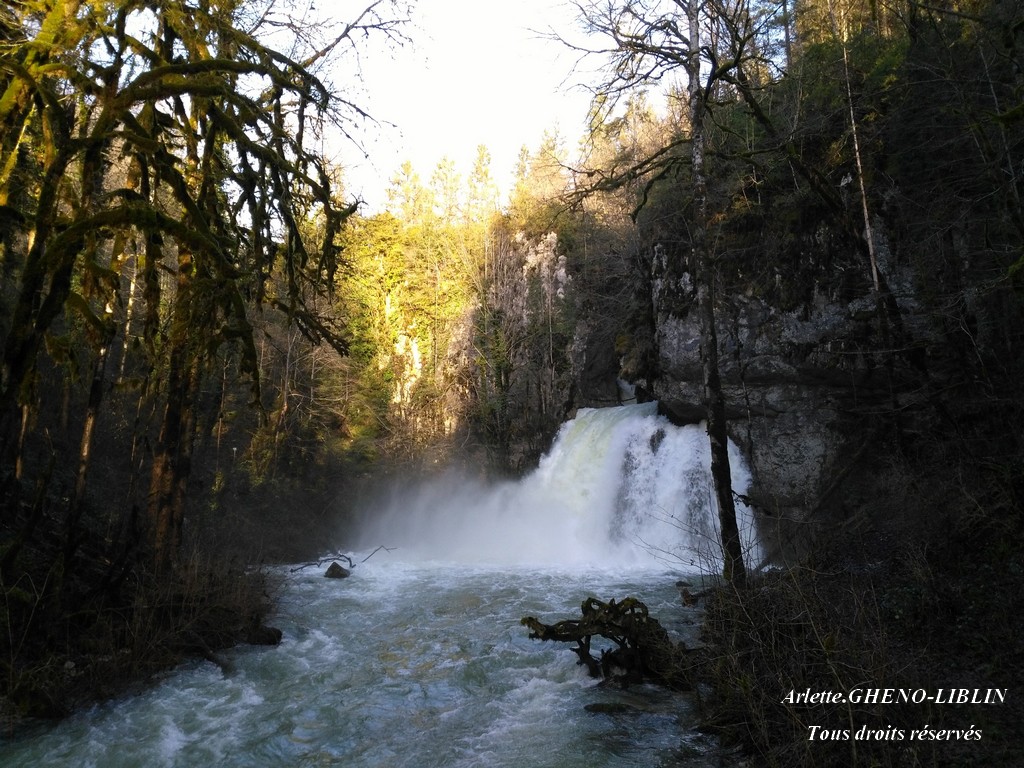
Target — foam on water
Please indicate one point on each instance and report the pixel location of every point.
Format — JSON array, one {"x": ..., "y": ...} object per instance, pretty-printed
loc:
[
  {"x": 402, "y": 664},
  {"x": 620, "y": 485},
  {"x": 416, "y": 662}
]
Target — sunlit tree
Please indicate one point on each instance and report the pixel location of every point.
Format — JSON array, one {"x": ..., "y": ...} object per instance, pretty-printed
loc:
[{"x": 177, "y": 126}]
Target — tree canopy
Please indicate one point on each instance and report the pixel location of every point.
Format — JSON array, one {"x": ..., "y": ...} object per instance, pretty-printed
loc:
[
  {"x": 172, "y": 137},
  {"x": 194, "y": 316}
]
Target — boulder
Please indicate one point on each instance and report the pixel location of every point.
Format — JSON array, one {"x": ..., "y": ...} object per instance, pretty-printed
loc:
[
  {"x": 261, "y": 634},
  {"x": 335, "y": 571}
]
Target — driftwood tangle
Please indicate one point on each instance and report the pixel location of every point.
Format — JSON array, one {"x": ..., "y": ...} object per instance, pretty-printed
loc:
[{"x": 643, "y": 649}]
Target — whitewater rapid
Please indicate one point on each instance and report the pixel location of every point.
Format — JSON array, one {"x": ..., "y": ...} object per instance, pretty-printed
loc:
[
  {"x": 419, "y": 660},
  {"x": 401, "y": 665}
]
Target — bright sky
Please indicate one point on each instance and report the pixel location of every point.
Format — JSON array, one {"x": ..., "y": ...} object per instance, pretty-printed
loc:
[{"x": 476, "y": 72}]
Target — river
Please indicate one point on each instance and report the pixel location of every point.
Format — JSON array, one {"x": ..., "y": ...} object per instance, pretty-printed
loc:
[{"x": 419, "y": 659}]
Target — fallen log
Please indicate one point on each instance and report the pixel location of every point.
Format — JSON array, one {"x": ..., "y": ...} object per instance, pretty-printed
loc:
[{"x": 642, "y": 648}]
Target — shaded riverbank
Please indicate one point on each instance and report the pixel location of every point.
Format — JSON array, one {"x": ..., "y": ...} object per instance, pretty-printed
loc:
[{"x": 401, "y": 664}]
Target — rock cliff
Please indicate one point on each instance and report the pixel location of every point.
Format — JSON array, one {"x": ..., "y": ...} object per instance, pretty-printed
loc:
[{"x": 810, "y": 389}]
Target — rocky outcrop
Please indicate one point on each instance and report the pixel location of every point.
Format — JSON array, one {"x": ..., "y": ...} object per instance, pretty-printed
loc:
[{"x": 805, "y": 387}]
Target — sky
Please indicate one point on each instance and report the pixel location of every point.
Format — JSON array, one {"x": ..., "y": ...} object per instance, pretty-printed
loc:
[{"x": 476, "y": 72}]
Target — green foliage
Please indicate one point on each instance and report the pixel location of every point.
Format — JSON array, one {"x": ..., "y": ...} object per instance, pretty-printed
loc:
[
  {"x": 537, "y": 204},
  {"x": 404, "y": 295},
  {"x": 159, "y": 201},
  {"x": 168, "y": 233},
  {"x": 458, "y": 319}
]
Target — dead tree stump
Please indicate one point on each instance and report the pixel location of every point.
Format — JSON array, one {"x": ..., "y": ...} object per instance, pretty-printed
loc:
[{"x": 643, "y": 649}]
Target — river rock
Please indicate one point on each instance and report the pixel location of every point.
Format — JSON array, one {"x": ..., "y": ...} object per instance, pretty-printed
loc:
[
  {"x": 335, "y": 571},
  {"x": 264, "y": 635}
]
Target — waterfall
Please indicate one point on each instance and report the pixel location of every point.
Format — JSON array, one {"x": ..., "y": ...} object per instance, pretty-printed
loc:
[
  {"x": 420, "y": 658},
  {"x": 619, "y": 487}
]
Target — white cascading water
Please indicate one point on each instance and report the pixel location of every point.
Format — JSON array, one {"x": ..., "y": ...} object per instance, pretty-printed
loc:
[
  {"x": 419, "y": 658},
  {"x": 620, "y": 486}
]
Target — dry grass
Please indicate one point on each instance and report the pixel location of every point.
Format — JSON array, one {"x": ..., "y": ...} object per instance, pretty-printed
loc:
[{"x": 937, "y": 604}]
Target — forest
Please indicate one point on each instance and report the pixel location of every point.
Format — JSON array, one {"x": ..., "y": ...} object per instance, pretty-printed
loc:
[{"x": 210, "y": 351}]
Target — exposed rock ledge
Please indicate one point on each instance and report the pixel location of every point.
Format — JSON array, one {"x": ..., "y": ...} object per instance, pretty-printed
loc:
[{"x": 801, "y": 389}]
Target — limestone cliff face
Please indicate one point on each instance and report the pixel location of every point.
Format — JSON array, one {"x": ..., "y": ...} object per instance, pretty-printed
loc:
[
  {"x": 802, "y": 385},
  {"x": 829, "y": 385}
]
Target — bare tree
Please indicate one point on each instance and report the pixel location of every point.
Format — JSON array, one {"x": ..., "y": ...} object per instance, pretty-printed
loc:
[{"x": 708, "y": 42}]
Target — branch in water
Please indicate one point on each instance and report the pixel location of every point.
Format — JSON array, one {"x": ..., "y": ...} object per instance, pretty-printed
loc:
[{"x": 340, "y": 556}]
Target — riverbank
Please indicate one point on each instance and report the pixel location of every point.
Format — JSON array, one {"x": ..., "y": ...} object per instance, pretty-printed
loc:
[
  {"x": 861, "y": 654},
  {"x": 86, "y": 627},
  {"x": 82, "y": 645}
]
